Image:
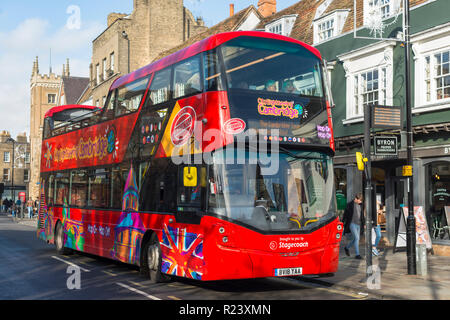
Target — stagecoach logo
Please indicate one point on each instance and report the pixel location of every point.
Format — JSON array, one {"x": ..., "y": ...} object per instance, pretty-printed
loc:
[
  {"x": 183, "y": 126},
  {"x": 273, "y": 245},
  {"x": 234, "y": 126},
  {"x": 277, "y": 108},
  {"x": 289, "y": 243}
]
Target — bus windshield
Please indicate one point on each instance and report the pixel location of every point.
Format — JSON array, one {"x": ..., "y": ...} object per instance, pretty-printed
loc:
[
  {"x": 273, "y": 66},
  {"x": 299, "y": 196}
]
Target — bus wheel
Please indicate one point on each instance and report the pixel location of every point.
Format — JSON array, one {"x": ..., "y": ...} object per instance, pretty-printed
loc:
[
  {"x": 59, "y": 241},
  {"x": 154, "y": 261}
]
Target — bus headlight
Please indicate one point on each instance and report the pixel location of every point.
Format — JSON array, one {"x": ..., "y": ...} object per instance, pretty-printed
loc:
[{"x": 225, "y": 239}]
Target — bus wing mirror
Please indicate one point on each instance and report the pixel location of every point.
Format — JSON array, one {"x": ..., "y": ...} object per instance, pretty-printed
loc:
[
  {"x": 190, "y": 176},
  {"x": 360, "y": 161}
]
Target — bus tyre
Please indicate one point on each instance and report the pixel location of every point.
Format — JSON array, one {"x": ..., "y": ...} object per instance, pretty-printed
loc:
[
  {"x": 59, "y": 241},
  {"x": 153, "y": 261}
]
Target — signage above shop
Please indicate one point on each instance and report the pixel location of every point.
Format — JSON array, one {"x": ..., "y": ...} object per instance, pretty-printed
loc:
[{"x": 386, "y": 146}]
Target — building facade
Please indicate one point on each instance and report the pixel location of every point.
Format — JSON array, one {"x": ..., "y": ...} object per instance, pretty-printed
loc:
[
  {"x": 15, "y": 165},
  {"x": 132, "y": 41}
]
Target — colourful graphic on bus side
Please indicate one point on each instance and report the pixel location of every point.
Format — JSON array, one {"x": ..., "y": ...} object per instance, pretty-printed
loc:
[
  {"x": 182, "y": 253},
  {"x": 45, "y": 226},
  {"x": 130, "y": 229},
  {"x": 73, "y": 230}
]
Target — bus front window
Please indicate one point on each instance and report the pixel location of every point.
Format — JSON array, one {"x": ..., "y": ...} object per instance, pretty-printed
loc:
[
  {"x": 272, "y": 66},
  {"x": 299, "y": 196}
]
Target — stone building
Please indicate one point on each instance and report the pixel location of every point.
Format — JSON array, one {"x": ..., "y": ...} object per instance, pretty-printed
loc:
[
  {"x": 48, "y": 91},
  {"x": 132, "y": 41},
  {"x": 19, "y": 157}
]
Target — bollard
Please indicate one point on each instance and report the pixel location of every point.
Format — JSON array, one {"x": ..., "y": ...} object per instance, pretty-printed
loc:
[{"x": 421, "y": 259}]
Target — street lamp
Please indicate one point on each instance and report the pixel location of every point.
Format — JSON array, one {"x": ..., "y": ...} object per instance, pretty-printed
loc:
[
  {"x": 13, "y": 157},
  {"x": 411, "y": 221},
  {"x": 125, "y": 36}
]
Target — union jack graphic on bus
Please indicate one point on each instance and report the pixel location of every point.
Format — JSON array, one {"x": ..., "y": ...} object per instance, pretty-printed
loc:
[{"x": 182, "y": 253}]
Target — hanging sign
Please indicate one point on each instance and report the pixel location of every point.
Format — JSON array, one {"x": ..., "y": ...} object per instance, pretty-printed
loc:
[{"x": 386, "y": 146}]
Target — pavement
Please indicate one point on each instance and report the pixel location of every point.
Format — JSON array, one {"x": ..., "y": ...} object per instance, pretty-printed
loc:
[{"x": 390, "y": 281}]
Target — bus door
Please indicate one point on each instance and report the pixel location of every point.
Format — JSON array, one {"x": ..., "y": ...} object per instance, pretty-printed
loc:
[{"x": 191, "y": 194}]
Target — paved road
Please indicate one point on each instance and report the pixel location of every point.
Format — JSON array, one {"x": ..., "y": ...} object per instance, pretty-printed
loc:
[{"x": 31, "y": 270}]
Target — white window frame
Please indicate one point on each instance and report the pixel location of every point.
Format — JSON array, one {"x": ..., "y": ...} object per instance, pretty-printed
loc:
[
  {"x": 112, "y": 61},
  {"x": 27, "y": 175},
  {"x": 337, "y": 18},
  {"x": 282, "y": 26},
  {"x": 426, "y": 45},
  {"x": 359, "y": 62},
  {"x": 7, "y": 174},
  {"x": 51, "y": 101},
  {"x": 6, "y": 157}
]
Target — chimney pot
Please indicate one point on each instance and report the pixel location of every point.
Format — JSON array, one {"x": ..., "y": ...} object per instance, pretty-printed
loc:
[{"x": 231, "y": 9}]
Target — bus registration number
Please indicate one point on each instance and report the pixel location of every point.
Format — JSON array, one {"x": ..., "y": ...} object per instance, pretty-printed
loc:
[{"x": 288, "y": 272}]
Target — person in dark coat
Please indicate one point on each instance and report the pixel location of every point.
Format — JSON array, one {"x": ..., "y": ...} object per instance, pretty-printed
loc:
[{"x": 353, "y": 220}]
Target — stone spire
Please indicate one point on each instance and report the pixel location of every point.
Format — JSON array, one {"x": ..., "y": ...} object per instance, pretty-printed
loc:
[
  {"x": 35, "y": 67},
  {"x": 67, "y": 68}
]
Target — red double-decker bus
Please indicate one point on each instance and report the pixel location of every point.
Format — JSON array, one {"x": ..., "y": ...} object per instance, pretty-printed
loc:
[{"x": 212, "y": 163}]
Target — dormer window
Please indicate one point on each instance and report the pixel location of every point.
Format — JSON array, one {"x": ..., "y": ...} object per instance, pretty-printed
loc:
[
  {"x": 282, "y": 26},
  {"x": 329, "y": 25},
  {"x": 381, "y": 9},
  {"x": 326, "y": 30}
]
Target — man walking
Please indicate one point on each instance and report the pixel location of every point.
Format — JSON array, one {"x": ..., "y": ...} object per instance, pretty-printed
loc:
[
  {"x": 353, "y": 220},
  {"x": 30, "y": 208}
]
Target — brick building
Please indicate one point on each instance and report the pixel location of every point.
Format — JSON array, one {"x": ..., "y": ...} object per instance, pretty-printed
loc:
[
  {"x": 132, "y": 41},
  {"x": 20, "y": 158}
]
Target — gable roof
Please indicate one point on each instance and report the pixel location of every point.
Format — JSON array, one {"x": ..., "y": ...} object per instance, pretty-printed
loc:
[{"x": 74, "y": 87}]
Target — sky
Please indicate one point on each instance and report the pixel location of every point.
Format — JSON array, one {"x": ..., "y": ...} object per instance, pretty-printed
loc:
[{"x": 66, "y": 28}]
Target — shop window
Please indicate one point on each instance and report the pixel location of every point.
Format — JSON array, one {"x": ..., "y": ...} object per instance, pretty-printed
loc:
[
  {"x": 340, "y": 179},
  {"x": 439, "y": 199}
]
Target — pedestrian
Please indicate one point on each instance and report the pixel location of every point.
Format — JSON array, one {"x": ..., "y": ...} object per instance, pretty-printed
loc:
[
  {"x": 377, "y": 229},
  {"x": 354, "y": 223},
  {"x": 13, "y": 209},
  {"x": 30, "y": 203}
]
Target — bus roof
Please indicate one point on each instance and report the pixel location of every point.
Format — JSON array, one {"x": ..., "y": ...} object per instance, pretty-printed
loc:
[
  {"x": 50, "y": 113},
  {"x": 201, "y": 46}
]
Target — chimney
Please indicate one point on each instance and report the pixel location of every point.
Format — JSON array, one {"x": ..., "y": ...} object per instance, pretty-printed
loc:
[
  {"x": 267, "y": 7},
  {"x": 231, "y": 9}
]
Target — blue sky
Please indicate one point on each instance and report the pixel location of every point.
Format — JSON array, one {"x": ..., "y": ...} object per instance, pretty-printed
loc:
[{"x": 29, "y": 28}]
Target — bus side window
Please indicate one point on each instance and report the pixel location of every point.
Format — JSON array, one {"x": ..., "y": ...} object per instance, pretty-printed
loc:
[
  {"x": 108, "y": 114},
  {"x": 212, "y": 73},
  {"x": 62, "y": 184},
  {"x": 79, "y": 188},
  {"x": 119, "y": 177},
  {"x": 187, "y": 78},
  {"x": 160, "y": 88},
  {"x": 99, "y": 188}
]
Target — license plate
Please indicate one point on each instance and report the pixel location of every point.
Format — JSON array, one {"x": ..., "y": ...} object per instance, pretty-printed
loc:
[{"x": 288, "y": 272}]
